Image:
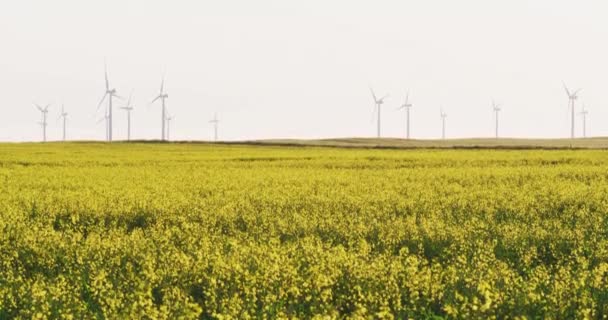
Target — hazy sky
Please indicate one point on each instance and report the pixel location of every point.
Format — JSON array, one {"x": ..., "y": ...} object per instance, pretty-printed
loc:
[{"x": 301, "y": 69}]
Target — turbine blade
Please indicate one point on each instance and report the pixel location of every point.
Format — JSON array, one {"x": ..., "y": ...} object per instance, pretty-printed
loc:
[
  {"x": 38, "y": 107},
  {"x": 129, "y": 101},
  {"x": 158, "y": 97},
  {"x": 566, "y": 88},
  {"x": 105, "y": 67},
  {"x": 101, "y": 101},
  {"x": 373, "y": 94},
  {"x": 162, "y": 84}
]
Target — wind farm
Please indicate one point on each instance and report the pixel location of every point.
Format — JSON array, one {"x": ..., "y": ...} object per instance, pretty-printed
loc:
[{"x": 110, "y": 95}]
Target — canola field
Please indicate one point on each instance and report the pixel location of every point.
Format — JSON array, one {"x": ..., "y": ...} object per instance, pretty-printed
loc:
[{"x": 170, "y": 231}]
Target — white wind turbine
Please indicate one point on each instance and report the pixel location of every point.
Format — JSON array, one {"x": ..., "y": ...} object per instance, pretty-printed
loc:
[
  {"x": 162, "y": 96},
  {"x": 128, "y": 108},
  {"x": 572, "y": 97},
  {"x": 377, "y": 108},
  {"x": 443, "y": 117},
  {"x": 110, "y": 93},
  {"x": 215, "y": 122},
  {"x": 63, "y": 115},
  {"x": 407, "y": 106},
  {"x": 584, "y": 114},
  {"x": 44, "y": 111},
  {"x": 496, "y": 108}
]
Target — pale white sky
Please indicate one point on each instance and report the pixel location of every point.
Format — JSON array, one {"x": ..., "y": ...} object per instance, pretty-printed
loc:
[{"x": 300, "y": 69}]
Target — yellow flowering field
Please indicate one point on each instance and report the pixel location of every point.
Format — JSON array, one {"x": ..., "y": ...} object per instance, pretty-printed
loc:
[{"x": 169, "y": 231}]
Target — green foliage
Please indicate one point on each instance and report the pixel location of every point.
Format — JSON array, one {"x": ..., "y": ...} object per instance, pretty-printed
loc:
[{"x": 99, "y": 231}]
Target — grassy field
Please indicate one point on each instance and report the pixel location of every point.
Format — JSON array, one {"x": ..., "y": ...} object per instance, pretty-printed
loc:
[{"x": 202, "y": 231}]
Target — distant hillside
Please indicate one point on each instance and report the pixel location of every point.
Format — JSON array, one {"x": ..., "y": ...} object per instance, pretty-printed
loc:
[{"x": 473, "y": 143}]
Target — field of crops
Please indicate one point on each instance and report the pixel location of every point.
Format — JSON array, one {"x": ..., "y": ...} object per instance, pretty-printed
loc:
[{"x": 201, "y": 231}]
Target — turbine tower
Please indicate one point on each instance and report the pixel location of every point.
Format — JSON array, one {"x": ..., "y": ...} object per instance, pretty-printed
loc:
[
  {"x": 584, "y": 114},
  {"x": 215, "y": 122},
  {"x": 110, "y": 93},
  {"x": 162, "y": 96},
  {"x": 377, "y": 108},
  {"x": 407, "y": 105},
  {"x": 443, "y": 117},
  {"x": 44, "y": 111},
  {"x": 572, "y": 97},
  {"x": 169, "y": 119},
  {"x": 128, "y": 108},
  {"x": 63, "y": 115},
  {"x": 496, "y": 108}
]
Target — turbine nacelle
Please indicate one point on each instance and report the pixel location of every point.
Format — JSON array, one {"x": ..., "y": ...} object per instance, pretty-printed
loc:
[
  {"x": 128, "y": 106},
  {"x": 407, "y": 103},
  {"x": 571, "y": 95},
  {"x": 376, "y": 100},
  {"x": 41, "y": 109},
  {"x": 214, "y": 120}
]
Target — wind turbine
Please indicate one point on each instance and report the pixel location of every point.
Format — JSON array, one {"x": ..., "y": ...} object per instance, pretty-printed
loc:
[
  {"x": 63, "y": 115},
  {"x": 407, "y": 105},
  {"x": 572, "y": 97},
  {"x": 44, "y": 111},
  {"x": 443, "y": 117},
  {"x": 162, "y": 96},
  {"x": 584, "y": 114},
  {"x": 169, "y": 118},
  {"x": 110, "y": 93},
  {"x": 378, "y": 106},
  {"x": 128, "y": 108},
  {"x": 496, "y": 108},
  {"x": 215, "y": 122}
]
